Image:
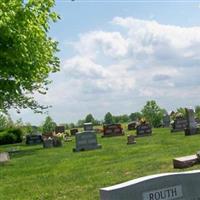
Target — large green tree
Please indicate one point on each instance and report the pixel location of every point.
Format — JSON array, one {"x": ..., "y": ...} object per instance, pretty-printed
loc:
[
  {"x": 89, "y": 118},
  {"x": 27, "y": 53},
  {"x": 108, "y": 118},
  {"x": 153, "y": 113},
  {"x": 48, "y": 125}
]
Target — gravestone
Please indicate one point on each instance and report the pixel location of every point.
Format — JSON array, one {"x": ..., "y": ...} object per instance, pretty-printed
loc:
[
  {"x": 166, "y": 121},
  {"x": 59, "y": 129},
  {"x": 4, "y": 157},
  {"x": 73, "y": 131},
  {"x": 48, "y": 143},
  {"x": 143, "y": 129},
  {"x": 179, "y": 124},
  {"x": 132, "y": 125},
  {"x": 186, "y": 161},
  {"x": 86, "y": 140},
  {"x": 33, "y": 139},
  {"x": 131, "y": 139},
  {"x": 110, "y": 130},
  {"x": 191, "y": 128},
  {"x": 169, "y": 186},
  {"x": 88, "y": 126}
]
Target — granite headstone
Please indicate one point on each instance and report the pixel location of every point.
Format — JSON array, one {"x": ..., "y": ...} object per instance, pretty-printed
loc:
[
  {"x": 110, "y": 130},
  {"x": 88, "y": 126},
  {"x": 132, "y": 125},
  {"x": 179, "y": 124},
  {"x": 33, "y": 139},
  {"x": 169, "y": 186},
  {"x": 86, "y": 140},
  {"x": 143, "y": 129}
]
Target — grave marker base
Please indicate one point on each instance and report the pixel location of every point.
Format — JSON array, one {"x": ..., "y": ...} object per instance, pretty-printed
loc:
[{"x": 184, "y": 162}]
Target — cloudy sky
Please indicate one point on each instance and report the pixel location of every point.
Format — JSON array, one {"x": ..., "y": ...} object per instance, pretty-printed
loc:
[{"x": 116, "y": 55}]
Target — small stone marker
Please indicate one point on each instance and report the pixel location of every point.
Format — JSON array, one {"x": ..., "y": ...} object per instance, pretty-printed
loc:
[
  {"x": 191, "y": 128},
  {"x": 4, "y": 157},
  {"x": 179, "y": 124},
  {"x": 73, "y": 131},
  {"x": 143, "y": 129},
  {"x": 186, "y": 161},
  {"x": 88, "y": 126},
  {"x": 33, "y": 139},
  {"x": 110, "y": 130},
  {"x": 48, "y": 143},
  {"x": 169, "y": 186},
  {"x": 86, "y": 140},
  {"x": 131, "y": 139},
  {"x": 132, "y": 125}
]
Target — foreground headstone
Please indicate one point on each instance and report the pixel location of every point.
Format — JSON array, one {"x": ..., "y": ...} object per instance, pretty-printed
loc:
[
  {"x": 191, "y": 128},
  {"x": 169, "y": 186},
  {"x": 143, "y": 129},
  {"x": 110, "y": 130},
  {"x": 179, "y": 124},
  {"x": 131, "y": 139},
  {"x": 4, "y": 157},
  {"x": 33, "y": 139},
  {"x": 86, "y": 140}
]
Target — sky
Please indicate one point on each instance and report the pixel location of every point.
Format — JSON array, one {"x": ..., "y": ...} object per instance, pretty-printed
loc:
[{"x": 116, "y": 55}]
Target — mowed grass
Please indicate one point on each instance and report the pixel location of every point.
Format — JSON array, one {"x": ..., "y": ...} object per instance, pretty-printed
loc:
[{"x": 59, "y": 173}]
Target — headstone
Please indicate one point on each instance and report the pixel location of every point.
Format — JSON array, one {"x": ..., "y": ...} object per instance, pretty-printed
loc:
[
  {"x": 33, "y": 139},
  {"x": 132, "y": 125},
  {"x": 73, "y": 131},
  {"x": 179, "y": 124},
  {"x": 143, "y": 129},
  {"x": 88, "y": 126},
  {"x": 48, "y": 143},
  {"x": 186, "y": 161},
  {"x": 166, "y": 120},
  {"x": 169, "y": 186},
  {"x": 110, "y": 130},
  {"x": 4, "y": 157},
  {"x": 191, "y": 128},
  {"x": 59, "y": 129},
  {"x": 131, "y": 139},
  {"x": 86, "y": 140},
  {"x": 57, "y": 142}
]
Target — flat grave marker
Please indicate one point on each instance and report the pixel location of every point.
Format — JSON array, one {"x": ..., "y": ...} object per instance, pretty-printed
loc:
[{"x": 169, "y": 186}]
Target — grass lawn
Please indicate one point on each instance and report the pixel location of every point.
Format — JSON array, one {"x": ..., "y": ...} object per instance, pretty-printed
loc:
[{"x": 58, "y": 173}]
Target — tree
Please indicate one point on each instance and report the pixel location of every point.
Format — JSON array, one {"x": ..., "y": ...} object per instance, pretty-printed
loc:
[
  {"x": 89, "y": 118},
  {"x": 27, "y": 53},
  {"x": 135, "y": 116},
  {"x": 153, "y": 113},
  {"x": 4, "y": 121},
  {"x": 197, "y": 111},
  {"x": 108, "y": 119},
  {"x": 49, "y": 125}
]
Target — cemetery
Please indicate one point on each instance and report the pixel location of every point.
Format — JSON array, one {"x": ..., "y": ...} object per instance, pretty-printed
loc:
[{"x": 111, "y": 59}]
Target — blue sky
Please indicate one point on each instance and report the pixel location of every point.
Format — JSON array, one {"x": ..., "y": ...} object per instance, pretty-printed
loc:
[{"x": 116, "y": 55}]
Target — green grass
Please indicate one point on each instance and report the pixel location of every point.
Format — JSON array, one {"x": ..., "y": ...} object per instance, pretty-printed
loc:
[{"x": 58, "y": 173}]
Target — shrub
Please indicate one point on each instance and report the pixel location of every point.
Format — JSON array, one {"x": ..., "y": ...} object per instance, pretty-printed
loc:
[{"x": 11, "y": 136}]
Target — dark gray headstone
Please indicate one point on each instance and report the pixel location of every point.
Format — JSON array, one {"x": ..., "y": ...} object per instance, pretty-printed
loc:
[
  {"x": 132, "y": 125},
  {"x": 33, "y": 139},
  {"x": 86, "y": 140},
  {"x": 110, "y": 130},
  {"x": 4, "y": 157},
  {"x": 179, "y": 124},
  {"x": 59, "y": 129},
  {"x": 170, "y": 186},
  {"x": 88, "y": 127},
  {"x": 144, "y": 129},
  {"x": 73, "y": 131},
  {"x": 48, "y": 143},
  {"x": 191, "y": 127}
]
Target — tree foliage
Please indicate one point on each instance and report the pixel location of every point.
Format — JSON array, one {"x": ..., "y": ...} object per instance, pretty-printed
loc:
[
  {"x": 49, "y": 125},
  {"x": 153, "y": 113},
  {"x": 27, "y": 54},
  {"x": 89, "y": 118},
  {"x": 135, "y": 116},
  {"x": 108, "y": 119}
]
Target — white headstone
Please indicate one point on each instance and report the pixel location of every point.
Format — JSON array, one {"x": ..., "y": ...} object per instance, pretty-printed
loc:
[{"x": 4, "y": 157}]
